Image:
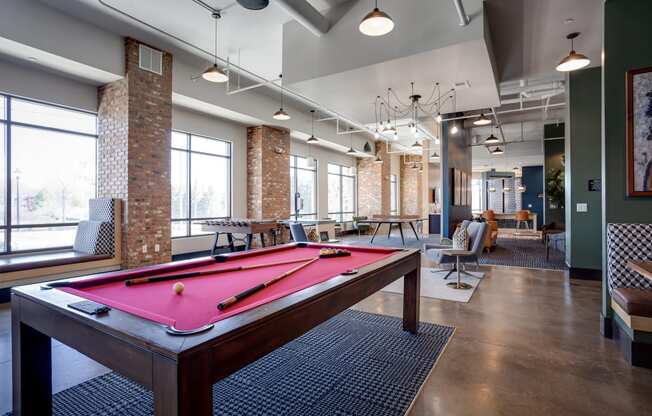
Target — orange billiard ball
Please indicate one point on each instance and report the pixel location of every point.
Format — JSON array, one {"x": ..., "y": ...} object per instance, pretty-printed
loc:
[{"x": 178, "y": 288}]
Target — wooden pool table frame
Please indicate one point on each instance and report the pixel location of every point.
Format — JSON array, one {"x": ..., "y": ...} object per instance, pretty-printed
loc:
[{"x": 180, "y": 370}]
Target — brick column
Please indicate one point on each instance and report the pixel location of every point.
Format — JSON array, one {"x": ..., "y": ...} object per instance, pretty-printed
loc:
[
  {"x": 268, "y": 173},
  {"x": 411, "y": 185},
  {"x": 374, "y": 184},
  {"x": 135, "y": 123}
]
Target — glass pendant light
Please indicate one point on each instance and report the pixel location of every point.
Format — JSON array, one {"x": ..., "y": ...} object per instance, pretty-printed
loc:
[
  {"x": 214, "y": 73},
  {"x": 376, "y": 23},
  {"x": 281, "y": 114},
  {"x": 573, "y": 61}
]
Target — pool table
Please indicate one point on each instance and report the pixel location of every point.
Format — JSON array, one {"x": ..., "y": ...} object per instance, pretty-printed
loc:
[{"x": 179, "y": 345}]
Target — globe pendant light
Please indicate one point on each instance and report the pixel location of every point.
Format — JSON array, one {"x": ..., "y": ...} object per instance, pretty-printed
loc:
[
  {"x": 376, "y": 23},
  {"x": 214, "y": 73},
  {"x": 574, "y": 60},
  {"x": 482, "y": 121},
  {"x": 312, "y": 138},
  {"x": 281, "y": 114}
]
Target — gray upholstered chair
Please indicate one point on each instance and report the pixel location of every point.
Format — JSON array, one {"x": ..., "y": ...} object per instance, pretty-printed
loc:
[{"x": 477, "y": 234}]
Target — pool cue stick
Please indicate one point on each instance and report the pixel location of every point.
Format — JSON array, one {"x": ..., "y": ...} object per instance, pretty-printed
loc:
[
  {"x": 143, "y": 280},
  {"x": 244, "y": 294}
]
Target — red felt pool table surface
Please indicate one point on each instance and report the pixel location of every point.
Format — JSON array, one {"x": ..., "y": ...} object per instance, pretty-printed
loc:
[{"x": 197, "y": 305}]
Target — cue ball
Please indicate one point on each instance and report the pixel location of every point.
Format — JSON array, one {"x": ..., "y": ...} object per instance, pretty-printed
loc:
[{"x": 178, "y": 288}]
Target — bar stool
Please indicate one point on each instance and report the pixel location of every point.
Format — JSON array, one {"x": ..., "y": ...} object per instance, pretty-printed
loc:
[{"x": 523, "y": 217}]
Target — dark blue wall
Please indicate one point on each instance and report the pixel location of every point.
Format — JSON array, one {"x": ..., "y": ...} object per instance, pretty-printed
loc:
[{"x": 533, "y": 182}]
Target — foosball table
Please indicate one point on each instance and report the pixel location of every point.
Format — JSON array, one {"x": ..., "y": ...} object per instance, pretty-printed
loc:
[{"x": 248, "y": 228}]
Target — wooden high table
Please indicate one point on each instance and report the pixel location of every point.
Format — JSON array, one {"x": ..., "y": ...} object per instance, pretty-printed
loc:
[
  {"x": 642, "y": 267},
  {"x": 512, "y": 216}
]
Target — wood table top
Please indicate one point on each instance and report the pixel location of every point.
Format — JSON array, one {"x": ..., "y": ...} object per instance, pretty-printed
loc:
[{"x": 643, "y": 267}]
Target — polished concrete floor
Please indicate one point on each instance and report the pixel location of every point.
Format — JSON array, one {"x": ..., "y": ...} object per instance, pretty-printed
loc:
[{"x": 528, "y": 343}]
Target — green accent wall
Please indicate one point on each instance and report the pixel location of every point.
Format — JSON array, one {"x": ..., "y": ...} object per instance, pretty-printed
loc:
[
  {"x": 627, "y": 34},
  {"x": 553, "y": 150},
  {"x": 583, "y": 136}
]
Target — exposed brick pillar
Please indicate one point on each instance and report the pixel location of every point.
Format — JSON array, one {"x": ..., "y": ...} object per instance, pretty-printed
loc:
[
  {"x": 268, "y": 173},
  {"x": 411, "y": 185},
  {"x": 374, "y": 183},
  {"x": 135, "y": 123}
]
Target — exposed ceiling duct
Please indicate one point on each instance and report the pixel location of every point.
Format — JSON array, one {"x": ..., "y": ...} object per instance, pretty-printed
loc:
[
  {"x": 306, "y": 15},
  {"x": 464, "y": 18}
]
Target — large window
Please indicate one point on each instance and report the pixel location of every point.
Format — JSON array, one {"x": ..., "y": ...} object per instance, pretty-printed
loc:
[
  {"x": 201, "y": 182},
  {"x": 341, "y": 192},
  {"x": 393, "y": 195},
  {"x": 47, "y": 173},
  {"x": 303, "y": 188}
]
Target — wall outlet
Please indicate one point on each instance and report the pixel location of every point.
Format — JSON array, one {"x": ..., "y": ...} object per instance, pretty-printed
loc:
[
  {"x": 582, "y": 207},
  {"x": 157, "y": 248},
  {"x": 145, "y": 248}
]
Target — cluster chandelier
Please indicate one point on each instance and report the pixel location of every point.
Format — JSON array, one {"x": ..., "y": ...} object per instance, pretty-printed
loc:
[{"x": 390, "y": 109}]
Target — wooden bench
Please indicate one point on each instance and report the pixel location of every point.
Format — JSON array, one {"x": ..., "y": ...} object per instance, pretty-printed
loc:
[{"x": 16, "y": 270}]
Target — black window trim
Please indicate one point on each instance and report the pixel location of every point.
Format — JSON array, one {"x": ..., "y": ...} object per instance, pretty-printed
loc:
[
  {"x": 293, "y": 214},
  {"x": 7, "y": 123},
  {"x": 340, "y": 214},
  {"x": 189, "y": 220}
]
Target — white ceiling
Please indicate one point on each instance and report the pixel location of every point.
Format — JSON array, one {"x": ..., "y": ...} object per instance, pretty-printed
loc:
[
  {"x": 353, "y": 92},
  {"x": 529, "y": 36}
]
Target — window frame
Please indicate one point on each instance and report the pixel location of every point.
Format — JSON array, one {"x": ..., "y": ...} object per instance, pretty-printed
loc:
[
  {"x": 7, "y": 123},
  {"x": 393, "y": 186},
  {"x": 340, "y": 213},
  {"x": 188, "y": 153},
  {"x": 296, "y": 168}
]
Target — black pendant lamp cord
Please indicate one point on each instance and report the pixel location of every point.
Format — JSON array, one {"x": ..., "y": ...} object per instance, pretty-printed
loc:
[
  {"x": 215, "y": 16},
  {"x": 281, "y": 78}
]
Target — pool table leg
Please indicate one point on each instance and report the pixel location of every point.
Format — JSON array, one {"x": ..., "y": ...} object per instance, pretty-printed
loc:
[
  {"x": 179, "y": 390},
  {"x": 411, "y": 296},
  {"x": 32, "y": 369}
]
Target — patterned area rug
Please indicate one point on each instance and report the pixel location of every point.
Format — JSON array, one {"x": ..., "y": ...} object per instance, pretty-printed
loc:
[
  {"x": 523, "y": 252},
  {"x": 356, "y": 363}
]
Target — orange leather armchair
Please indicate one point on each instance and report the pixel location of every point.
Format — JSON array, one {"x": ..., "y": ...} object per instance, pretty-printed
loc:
[{"x": 491, "y": 236}]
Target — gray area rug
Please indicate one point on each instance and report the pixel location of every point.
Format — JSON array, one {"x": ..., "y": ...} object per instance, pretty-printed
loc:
[
  {"x": 356, "y": 363},
  {"x": 521, "y": 252}
]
